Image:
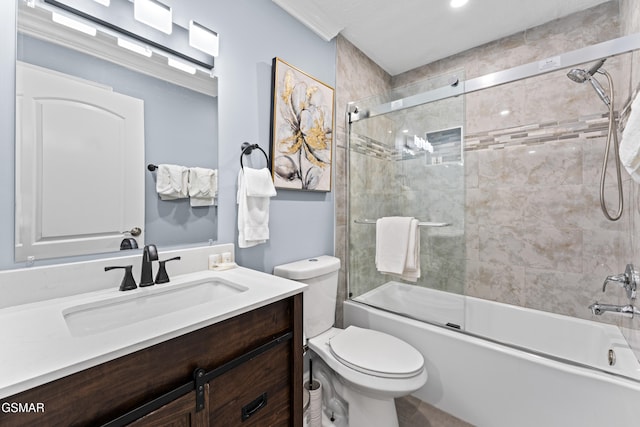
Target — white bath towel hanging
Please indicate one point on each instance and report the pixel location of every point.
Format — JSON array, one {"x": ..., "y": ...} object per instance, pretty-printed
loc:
[
  {"x": 253, "y": 211},
  {"x": 398, "y": 247},
  {"x": 203, "y": 186},
  {"x": 630, "y": 144},
  {"x": 172, "y": 182}
]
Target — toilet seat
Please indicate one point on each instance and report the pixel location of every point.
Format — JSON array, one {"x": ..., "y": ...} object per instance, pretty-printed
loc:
[{"x": 376, "y": 353}]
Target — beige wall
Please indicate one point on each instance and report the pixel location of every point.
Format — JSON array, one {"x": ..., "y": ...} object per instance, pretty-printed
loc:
[{"x": 535, "y": 233}]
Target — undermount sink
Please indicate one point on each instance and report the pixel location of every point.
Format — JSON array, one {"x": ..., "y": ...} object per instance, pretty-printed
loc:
[{"x": 144, "y": 304}]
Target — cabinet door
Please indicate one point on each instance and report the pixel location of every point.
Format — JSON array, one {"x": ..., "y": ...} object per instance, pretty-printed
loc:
[
  {"x": 178, "y": 413},
  {"x": 256, "y": 393}
]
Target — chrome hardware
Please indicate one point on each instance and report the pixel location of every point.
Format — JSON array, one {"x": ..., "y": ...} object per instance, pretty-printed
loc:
[
  {"x": 598, "y": 309},
  {"x": 627, "y": 280},
  {"x": 421, "y": 223},
  {"x": 135, "y": 231},
  {"x": 611, "y": 357}
]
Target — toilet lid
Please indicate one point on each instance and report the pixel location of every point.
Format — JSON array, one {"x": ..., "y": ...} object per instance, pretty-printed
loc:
[{"x": 376, "y": 353}]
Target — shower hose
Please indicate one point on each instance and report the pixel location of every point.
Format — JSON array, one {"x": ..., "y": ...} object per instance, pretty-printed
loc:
[{"x": 612, "y": 134}]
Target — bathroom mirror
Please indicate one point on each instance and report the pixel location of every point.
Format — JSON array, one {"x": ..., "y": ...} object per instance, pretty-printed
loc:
[{"x": 179, "y": 126}]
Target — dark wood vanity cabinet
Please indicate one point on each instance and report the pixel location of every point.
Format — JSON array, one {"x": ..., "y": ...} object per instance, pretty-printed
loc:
[{"x": 252, "y": 364}]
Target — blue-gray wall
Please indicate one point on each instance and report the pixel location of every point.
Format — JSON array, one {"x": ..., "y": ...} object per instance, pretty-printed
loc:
[{"x": 252, "y": 32}]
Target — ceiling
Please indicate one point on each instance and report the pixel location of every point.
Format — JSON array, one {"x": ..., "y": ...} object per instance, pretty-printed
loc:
[{"x": 404, "y": 34}]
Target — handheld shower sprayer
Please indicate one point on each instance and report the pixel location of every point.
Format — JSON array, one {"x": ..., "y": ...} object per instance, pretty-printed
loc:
[{"x": 579, "y": 75}]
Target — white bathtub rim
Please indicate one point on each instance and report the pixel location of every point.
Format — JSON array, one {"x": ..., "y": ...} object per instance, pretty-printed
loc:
[{"x": 548, "y": 360}]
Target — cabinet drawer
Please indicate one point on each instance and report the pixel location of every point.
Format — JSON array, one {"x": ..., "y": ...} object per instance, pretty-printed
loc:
[{"x": 256, "y": 393}]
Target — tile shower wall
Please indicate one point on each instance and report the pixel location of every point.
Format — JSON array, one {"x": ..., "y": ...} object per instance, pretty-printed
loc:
[{"x": 535, "y": 235}]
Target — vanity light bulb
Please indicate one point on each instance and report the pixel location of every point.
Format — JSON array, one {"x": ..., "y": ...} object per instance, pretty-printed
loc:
[
  {"x": 458, "y": 3},
  {"x": 154, "y": 14},
  {"x": 181, "y": 66},
  {"x": 203, "y": 39},
  {"x": 141, "y": 50},
  {"x": 72, "y": 23}
]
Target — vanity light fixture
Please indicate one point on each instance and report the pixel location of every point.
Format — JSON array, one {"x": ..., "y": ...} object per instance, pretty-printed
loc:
[
  {"x": 72, "y": 23},
  {"x": 457, "y": 3},
  {"x": 134, "y": 47},
  {"x": 154, "y": 14},
  {"x": 147, "y": 25},
  {"x": 181, "y": 66},
  {"x": 202, "y": 38}
]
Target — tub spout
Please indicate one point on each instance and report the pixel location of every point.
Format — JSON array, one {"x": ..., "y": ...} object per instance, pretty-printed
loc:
[{"x": 598, "y": 309}]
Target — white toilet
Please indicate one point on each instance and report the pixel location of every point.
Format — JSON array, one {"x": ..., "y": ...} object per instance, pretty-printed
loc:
[{"x": 370, "y": 368}]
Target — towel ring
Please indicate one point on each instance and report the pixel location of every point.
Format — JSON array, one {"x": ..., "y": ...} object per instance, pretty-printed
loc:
[{"x": 248, "y": 148}]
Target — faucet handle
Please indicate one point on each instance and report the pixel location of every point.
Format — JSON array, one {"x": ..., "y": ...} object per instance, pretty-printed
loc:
[
  {"x": 162, "y": 276},
  {"x": 128, "y": 282},
  {"x": 628, "y": 280},
  {"x": 621, "y": 279}
]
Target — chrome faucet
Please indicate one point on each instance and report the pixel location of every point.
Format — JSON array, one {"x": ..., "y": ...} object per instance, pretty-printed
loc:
[
  {"x": 597, "y": 309},
  {"x": 627, "y": 280},
  {"x": 149, "y": 254}
]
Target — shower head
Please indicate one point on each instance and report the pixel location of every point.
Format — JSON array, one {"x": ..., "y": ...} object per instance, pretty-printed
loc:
[{"x": 579, "y": 75}]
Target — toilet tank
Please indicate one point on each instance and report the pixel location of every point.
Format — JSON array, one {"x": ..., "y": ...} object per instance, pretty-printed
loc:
[{"x": 319, "y": 300}]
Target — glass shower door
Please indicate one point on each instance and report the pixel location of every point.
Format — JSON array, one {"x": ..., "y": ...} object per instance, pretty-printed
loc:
[{"x": 409, "y": 162}]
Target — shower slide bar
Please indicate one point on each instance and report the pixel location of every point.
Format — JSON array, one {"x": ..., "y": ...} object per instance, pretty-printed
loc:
[
  {"x": 565, "y": 60},
  {"x": 421, "y": 223}
]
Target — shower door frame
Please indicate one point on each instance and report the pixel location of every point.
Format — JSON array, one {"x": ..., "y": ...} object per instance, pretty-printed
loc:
[
  {"x": 572, "y": 58},
  {"x": 591, "y": 53}
]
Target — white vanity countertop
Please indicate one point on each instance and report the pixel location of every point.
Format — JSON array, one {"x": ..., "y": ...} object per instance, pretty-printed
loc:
[{"x": 37, "y": 347}]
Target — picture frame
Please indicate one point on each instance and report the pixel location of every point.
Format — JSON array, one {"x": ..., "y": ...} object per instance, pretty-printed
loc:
[{"x": 302, "y": 129}]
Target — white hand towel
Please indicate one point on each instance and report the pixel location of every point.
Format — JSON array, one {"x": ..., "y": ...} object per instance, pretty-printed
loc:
[
  {"x": 398, "y": 247},
  {"x": 172, "y": 182},
  {"x": 412, "y": 265},
  {"x": 253, "y": 211},
  {"x": 203, "y": 186},
  {"x": 630, "y": 144},
  {"x": 258, "y": 182}
]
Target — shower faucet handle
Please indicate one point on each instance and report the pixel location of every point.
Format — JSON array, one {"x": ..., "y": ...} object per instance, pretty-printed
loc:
[{"x": 627, "y": 280}]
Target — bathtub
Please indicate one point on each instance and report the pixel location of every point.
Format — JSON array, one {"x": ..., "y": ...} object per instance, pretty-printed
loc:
[{"x": 537, "y": 368}]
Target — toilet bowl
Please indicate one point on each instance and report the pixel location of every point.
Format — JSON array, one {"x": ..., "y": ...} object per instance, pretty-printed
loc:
[{"x": 369, "y": 369}]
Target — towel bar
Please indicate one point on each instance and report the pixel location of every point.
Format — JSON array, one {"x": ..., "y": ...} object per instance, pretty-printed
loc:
[
  {"x": 421, "y": 223},
  {"x": 248, "y": 148}
]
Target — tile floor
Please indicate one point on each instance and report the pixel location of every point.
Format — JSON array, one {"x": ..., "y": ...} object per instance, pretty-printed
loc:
[{"x": 413, "y": 412}]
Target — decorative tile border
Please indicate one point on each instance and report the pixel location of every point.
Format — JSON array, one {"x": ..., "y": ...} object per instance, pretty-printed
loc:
[{"x": 586, "y": 127}]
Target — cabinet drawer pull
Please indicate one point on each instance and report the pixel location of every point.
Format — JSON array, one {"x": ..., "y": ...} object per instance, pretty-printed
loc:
[{"x": 254, "y": 406}]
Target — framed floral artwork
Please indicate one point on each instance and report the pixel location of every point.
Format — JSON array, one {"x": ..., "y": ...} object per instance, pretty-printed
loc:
[{"x": 301, "y": 130}]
